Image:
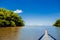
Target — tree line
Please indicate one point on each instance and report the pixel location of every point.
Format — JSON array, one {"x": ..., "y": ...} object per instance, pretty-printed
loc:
[{"x": 10, "y": 19}]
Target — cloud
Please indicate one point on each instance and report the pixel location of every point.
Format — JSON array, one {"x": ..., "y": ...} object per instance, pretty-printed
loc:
[{"x": 18, "y": 11}]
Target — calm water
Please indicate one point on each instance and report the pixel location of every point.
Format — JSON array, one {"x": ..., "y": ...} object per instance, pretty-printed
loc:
[
  {"x": 35, "y": 32},
  {"x": 28, "y": 32}
]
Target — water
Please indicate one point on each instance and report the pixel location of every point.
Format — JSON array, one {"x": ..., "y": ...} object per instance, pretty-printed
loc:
[
  {"x": 28, "y": 32},
  {"x": 35, "y": 32}
]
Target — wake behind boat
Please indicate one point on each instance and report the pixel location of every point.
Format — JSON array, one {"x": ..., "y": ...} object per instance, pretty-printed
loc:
[{"x": 46, "y": 36}]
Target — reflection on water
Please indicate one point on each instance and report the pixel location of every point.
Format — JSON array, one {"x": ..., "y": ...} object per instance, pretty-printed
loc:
[
  {"x": 8, "y": 33},
  {"x": 35, "y": 32},
  {"x": 28, "y": 32}
]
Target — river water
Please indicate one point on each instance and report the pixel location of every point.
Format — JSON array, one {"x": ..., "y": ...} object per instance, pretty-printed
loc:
[{"x": 28, "y": 32}]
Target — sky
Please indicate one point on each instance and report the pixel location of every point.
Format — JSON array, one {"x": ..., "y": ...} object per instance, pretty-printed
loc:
[{"x": 34, "y": 12}]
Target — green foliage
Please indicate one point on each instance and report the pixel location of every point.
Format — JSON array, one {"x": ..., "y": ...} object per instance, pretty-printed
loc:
[
  {"x": 12, "y": 23},
  {"x": 9, "y": 18},
  {"x": 57, "y": 23}
]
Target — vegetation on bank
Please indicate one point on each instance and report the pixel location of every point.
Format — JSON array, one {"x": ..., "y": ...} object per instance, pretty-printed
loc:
[
  {"x": 57, "y": 23},
  {"x": 10, "y": 19}
]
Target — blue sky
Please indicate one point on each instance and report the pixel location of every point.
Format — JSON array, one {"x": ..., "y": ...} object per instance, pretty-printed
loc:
[{"x": 35, "y": 12}]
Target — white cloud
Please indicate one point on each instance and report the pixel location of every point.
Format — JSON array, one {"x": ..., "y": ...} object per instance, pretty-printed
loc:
[{"x": 18, "y": 11}]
